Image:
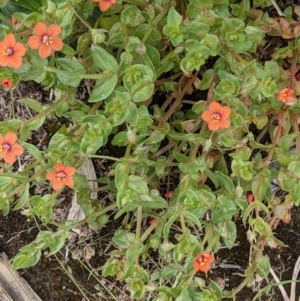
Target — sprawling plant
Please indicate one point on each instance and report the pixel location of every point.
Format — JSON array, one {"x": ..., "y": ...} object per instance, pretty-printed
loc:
[{"x": 180, "y": 86}]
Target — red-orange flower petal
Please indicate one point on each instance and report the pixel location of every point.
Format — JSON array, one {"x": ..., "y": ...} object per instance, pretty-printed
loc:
[
  {"x": 224, "y": 123},
  {"x": 57, "y": 184},
  {"x": 34, "y": 42},
  {"x": 69, "y": 182},
  {"x": 9, "y": 149},
  {"x": 207, "y": 115},
  {"x": 46, "y": 39},
  {"x": 44, "y": 51},
  {"x": 70, "y": 171},
  {"x": 40, "y": 29},
  {"x": 214, "y": 107},
  {"x": 225, "y": 112},
  {"x": 10, "y": 40},
  {"x": 11, "y": 138},
  {"x": 61, "y": 176},
  {"x": 17, "y": 150},
  {"x": 10, "y": 158},
  {"x": 15, "y": 62},
  {"x": 104, "y": 5},
  {"x": 57, "y": 44},
  {"x": 202, "y": 262},
  {"x": 13, "y": 20},
  {"x": 213, "y": 126},
  {"x": 11, "y": 52},
  {"x": 54, "y": 30},
  {"x": 19, "y": 49},
  {"x": 59, "y": 167},
  {"x": 286, "y": 96},
  {"x": 7, "y": 83},
  {"x": 217, "y": 116},
  {"x": 51, "y": 175}
]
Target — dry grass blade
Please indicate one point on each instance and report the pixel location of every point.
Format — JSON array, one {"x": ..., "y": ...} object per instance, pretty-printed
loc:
[
  {"x": 294, "y": 277},
  {"x": 282, "y": 290}
]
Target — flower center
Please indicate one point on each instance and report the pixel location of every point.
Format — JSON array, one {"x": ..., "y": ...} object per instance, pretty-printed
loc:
[
  {"x": 216, "y": 117},
  {"x": 5, "y": 148},
  {"x": 8, "y": 51},
  {"x": 47, "y": 40},
  {"x": 202, "y": 261},
  {"x": 61, "y": 176}
]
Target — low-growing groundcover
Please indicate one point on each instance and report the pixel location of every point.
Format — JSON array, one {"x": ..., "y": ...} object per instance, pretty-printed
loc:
[{"x": 143, "y": 60}]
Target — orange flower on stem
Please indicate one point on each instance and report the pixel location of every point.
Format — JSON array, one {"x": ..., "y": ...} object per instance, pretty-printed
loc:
[
  {"x": 104, "y": 5},
  {"x": 46, "y": 39},
  {"x": 61, "y": 176},
  {"x": 13, "y": 20},
  {"x": 286, "y": 96},
  {"x": 11, "y": 52},
  {"x": 7, "y": 83},
  {"x": 202, "y": 262},
  {"x": 9, "y": 149},
  {"x": 217, "y": 116}
]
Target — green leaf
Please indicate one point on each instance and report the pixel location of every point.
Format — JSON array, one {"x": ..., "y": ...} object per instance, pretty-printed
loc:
[
  {"x": 259, "y": 187},
  {"x": 103, "y": 60},
  {"x": 26, "y": 259},
  {"x": 286, "y": 141},
  {"x": 173, "y": 29},
  {"x": 34, "y": 151},
  {"x": 23, "y": 200},
  {"x": 71, "y": 73},
  {"x": 170, "y": 270},
  {"x": 103, "y": 88},
  {"x": 122, "y": 238},
  {"x": 263, "y": 266},
  {"x": 168, "y": 225},
  {"x": 131, "y": 16},
  {"x": 36, "y": 123},
  {"x": 139, "y": 79},
  {"x": 58, "y": 241},
  {"x": 32, "y": 103},
  {"x": 207, "y": 79}
]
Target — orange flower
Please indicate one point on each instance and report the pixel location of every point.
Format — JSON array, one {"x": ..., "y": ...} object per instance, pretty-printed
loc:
[
  {"x": 13, "y": 20},
  {"x": 286, "y": 96},
  {"x": 7, "y": 83},
  {"x": 250, "y": 197},
  {"x": 11, "y": 52},
  {"x": 169, "y": 194},
  {"x": 61, "y": 176},
  {"x": 217, "y": 116},
  {"x": 202, "y": 262},
  {"x": 9, "y": 149},
  {"x": 46, "y": 39},
  {"x": 151, "y": 221},
  {"x": 104, "y": 5}
]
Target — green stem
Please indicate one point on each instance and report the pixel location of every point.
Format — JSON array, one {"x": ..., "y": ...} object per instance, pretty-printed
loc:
[
  {"x": 29, "y": 167},
  {"x": 148, "y": 232},
  {"x": 242, "y": 284},
  {"x": 19, "y": 188},
  {"x": 182, "y": 222},
  {"x": 136, "y": 2},
  {"x": 156, "y": 21},
  {"x": 101, "y": 76},
  {"x": 81, "y": 20},
  {"x": 12, "y": 103},
  {"x": 45, "y": 111},
  {"x": 139, "y": 214},
  {"x": 105, "y": 157},
  {"x": 216, "y": 237}
]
